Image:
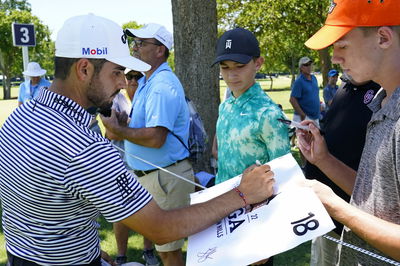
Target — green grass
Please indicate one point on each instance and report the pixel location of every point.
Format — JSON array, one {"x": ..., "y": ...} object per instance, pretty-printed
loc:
[
  {"x": 299, "y": 256},
  {"x": 14, "y": 92}
]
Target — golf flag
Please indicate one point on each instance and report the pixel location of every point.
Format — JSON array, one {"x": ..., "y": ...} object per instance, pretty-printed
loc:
[{"x": 293, "y": 216}]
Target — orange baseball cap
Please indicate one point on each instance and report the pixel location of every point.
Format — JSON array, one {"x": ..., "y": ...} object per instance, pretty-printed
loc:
[{"x": 345, "y": 15}]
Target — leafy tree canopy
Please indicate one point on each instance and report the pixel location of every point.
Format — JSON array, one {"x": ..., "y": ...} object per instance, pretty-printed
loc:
[
  {"x": 281, "y": 27},
  {"x": 8, "y": 5}
]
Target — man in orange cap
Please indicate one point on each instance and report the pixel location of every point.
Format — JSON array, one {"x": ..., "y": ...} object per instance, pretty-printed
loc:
[{"x": 366, "y": 43}]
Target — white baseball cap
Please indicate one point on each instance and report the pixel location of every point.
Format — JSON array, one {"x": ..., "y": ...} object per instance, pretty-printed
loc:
[
  {"x": 95, "y": 37},
  {"x": 153, "y": 30},
  {"x": 304, "y": 60},
  {"x": 34, "y": 70}
]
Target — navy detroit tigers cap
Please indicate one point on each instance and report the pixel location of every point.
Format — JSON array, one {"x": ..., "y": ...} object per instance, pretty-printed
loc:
[{"x": 239, "y": 45}]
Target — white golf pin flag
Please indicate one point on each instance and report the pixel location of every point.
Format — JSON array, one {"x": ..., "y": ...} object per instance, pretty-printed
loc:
[{"x": 295, "y": 215}]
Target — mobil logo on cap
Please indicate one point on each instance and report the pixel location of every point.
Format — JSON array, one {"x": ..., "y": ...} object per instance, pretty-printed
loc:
[{"x": 94, "y": 51}]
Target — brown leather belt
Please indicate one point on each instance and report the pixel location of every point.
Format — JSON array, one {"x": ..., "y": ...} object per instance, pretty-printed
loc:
[{"x": 140, "y": 173}]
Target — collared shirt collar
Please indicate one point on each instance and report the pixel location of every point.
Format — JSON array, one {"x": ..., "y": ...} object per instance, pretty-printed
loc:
[
  {"x": 392, "y": 107},
  {"x": 305, "y": 78},
  {"x": 163, "y": 66},
  {"x": 64, "y": 105},
  {"x": 247, "y": 95}
]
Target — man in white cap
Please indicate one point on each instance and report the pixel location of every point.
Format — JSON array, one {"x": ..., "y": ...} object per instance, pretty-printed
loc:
[
  {"x": 57, "y": 176},
  {"x": 33, "y": 83},
  {"x": 158, "y": 130},
  {"x": 305, "y": 93},
  {"x": 366, "y": 43}
]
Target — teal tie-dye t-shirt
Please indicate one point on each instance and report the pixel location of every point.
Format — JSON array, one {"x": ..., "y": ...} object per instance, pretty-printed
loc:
[{"x": 248, "y": 130}]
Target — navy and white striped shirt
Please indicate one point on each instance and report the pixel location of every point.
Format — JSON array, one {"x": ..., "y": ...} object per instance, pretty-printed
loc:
[{"x": 56, "y": 177}]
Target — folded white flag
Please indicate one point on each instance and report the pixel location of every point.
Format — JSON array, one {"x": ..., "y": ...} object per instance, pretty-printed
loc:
[{"x": 295, "y": 215}]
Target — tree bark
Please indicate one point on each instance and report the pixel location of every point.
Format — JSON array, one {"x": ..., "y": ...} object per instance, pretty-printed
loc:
[
  {"x": 325, "y": 65},
  {"x": 6, "y": 79},
  {"x": 6, "y": 88},
  {"x": 195, "y": 36}
]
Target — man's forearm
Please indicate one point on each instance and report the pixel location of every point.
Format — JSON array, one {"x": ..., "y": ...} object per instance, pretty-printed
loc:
[
  {"x": 153, "y": 137},
  {"x": 163, "y": 226},
  {"x": 342, "y": 175},
  {"x": 381, "y": 234},
  {"x": 195, "y": 218},
  {"x": 297, "y": 108}
]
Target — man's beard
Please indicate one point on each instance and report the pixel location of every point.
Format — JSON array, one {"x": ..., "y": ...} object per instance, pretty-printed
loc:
[{"x": 95, "y": 96}]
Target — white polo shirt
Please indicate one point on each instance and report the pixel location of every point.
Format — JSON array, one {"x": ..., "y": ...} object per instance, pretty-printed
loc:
[{"x": 56, "y": 178}]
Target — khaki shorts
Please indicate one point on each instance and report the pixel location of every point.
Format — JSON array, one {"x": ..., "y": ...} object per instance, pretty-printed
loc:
[{"x": 170, "y": 192}]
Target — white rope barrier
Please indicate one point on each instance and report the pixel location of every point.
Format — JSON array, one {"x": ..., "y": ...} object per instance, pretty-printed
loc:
[
  {"x": 160, "y": 168},
  {"x": 361, "y": 250}
]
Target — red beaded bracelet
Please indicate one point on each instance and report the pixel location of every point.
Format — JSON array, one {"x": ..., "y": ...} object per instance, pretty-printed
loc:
[
  {"x": 246, "y": 206},
  {"x": 241, "y": 195}
]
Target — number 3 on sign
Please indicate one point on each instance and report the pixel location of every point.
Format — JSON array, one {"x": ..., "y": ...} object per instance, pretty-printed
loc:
[
  {"x": 301, "y": 228},
  {"x": 25, "y": 34}
]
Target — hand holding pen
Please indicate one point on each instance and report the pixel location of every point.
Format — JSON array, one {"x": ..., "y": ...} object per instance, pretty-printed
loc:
[
  {"x": 262, "y": 203},
  {"x": 311, "y": 143}
]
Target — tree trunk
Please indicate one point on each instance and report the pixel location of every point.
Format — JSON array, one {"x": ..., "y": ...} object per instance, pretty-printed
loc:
[
  {"x": 325, "y": 65},
  {"x": 293, "y": 71},
  {"x": 195, "y": 36},
  {"x": 6, "y": 87},
  {"x": 6, "y": 78},
  {"x": 272, "y": 82}
]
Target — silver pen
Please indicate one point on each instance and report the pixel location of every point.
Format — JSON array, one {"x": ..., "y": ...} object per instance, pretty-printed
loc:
[
  {"x": 298, "y": 125},
  {"x": 293, "y": 124}
]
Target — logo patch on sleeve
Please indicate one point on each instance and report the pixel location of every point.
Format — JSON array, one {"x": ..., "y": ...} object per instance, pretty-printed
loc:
[{"x": 124, "y": 186}]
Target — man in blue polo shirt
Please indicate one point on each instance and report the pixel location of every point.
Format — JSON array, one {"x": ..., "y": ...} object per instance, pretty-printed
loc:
[
  {"x": 305, "y": 94},
  {"x": 159, "y": 122}
]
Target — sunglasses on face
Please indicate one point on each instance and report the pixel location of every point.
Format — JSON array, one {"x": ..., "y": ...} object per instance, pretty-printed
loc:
[
  {"x": 139, "y": 43},
  {"x": 132, "y": 76},
  {"x": 308, "y": 64}
]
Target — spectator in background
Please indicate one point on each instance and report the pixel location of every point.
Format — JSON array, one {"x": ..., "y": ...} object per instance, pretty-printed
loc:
[
  {"x": 121, "y": 232},
  {"x": 132, "y": 78},
  {"x": 305, "y": 94},
  {"x": 122, "y": 105},
  {"x": 159, "y": 116},
  {"x": 330, "y": 88},
  {"x": 345, "y": 128},
  {"x": 305, "y": 97},
  {"x": 247, "y": 127},
  {"x": 33, "y": 83}
]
